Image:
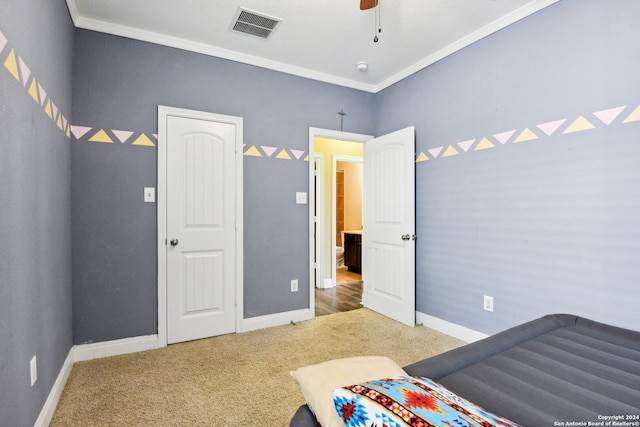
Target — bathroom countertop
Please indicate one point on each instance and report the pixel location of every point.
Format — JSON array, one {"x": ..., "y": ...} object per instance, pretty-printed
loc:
[{"x": 352, "y": 231}]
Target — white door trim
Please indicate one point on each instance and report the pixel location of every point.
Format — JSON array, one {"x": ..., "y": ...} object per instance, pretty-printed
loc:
[
  {"x": 330, "y": 134},
  {"x": 163, "y": 113},
  {"x": 319, "y": 225}
]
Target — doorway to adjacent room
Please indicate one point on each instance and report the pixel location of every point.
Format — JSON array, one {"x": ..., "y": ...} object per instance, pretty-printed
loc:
[
  {"x": 337, "y": 155},
  {"x": 346, "y": 224},
  {"x": 387, "y": 240}
]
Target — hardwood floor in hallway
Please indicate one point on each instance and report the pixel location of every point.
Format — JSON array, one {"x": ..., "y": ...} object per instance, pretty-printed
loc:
[
  {"x": 345, "y": 296},
  {"x": 345, "y": 276}
]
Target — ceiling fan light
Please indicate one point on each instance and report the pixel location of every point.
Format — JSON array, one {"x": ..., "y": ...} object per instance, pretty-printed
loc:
[{"x": 362, "y": 66}]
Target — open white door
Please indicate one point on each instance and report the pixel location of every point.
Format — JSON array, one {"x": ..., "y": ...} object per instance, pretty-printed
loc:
[{"x": 388, "y": 237}]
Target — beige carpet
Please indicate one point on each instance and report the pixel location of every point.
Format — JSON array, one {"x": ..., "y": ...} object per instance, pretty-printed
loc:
[{"x": 232, "y": 380}]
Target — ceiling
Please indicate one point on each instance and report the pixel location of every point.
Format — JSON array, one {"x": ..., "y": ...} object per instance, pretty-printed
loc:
[{"x": 317, "y": 39}]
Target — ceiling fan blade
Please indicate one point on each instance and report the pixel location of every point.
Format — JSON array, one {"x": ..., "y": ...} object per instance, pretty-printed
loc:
[{"x": 368, "y": 4}]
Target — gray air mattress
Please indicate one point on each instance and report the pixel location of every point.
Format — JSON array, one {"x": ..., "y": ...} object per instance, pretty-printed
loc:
[{"x": 559, "y": 370}]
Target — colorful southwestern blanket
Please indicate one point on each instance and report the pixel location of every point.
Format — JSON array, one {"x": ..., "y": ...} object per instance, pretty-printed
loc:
[{"x": 409, "y": 401}]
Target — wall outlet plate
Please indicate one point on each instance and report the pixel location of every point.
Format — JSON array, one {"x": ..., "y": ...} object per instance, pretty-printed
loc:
[
  {"x": 488, "y": 303},
  {"x": 34, "y": 370},
  {"x": 301, "y": 198}
]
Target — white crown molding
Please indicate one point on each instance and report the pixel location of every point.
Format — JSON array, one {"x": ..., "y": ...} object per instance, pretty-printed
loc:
[
  {"x": 178, "y": 43},
  {"x": 460, "y": 44},
  {"x": 73, "y": 11},
  {"x": 205, "y": 49}
]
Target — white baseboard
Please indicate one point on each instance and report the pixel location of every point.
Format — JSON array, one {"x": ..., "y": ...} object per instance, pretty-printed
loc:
[
  {"x": 451, "y": 329},
  {"x": 149, "y": 342},
  {"x": 49, "y": 407},
  {"x": 326, "y": 284},
  {"x": 270, "y": 320},
  {"x": 115, "y": 348},
  {"x": 82, "y": 352}
]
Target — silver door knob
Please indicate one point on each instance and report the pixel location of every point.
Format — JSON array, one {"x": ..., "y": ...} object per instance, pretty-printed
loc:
[
  {"x": 174, "y": 242},
  {"x": 406, "y": 237}
]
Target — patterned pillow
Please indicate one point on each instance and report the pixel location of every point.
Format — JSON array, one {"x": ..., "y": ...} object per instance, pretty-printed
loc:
[
  {"x": 317, "y": 382},
  {"x": 409, "y": 401}
]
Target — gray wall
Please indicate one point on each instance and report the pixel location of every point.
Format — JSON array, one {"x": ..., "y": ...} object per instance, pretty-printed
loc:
[
  {"x": 118, "y": 84},
  {"x": 547, "y": 225},
  {"x": 35, "y": 222}
]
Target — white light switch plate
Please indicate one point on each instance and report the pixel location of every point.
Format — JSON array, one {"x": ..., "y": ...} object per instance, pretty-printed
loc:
[{"x": 149, "y": 195}]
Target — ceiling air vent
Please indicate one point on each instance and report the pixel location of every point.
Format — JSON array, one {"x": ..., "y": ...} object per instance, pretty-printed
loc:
[{"x": 254, "y": 23}]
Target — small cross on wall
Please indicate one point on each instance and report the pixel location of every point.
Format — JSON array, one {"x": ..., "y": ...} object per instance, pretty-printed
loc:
[{"x": 342, "y": 114}]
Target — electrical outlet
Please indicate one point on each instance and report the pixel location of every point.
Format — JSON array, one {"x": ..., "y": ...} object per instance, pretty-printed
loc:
[
  {"x": 34, "y": 370},
  {"x": 301, "y": 198},
  {"x": 488, "y": 303},
  {"x": 294, "y": 285}
]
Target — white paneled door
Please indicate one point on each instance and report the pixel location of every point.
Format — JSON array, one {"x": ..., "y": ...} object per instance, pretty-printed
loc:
[
  {"x": 200, "y": 228},
  {"x": 389, "y": 247}
]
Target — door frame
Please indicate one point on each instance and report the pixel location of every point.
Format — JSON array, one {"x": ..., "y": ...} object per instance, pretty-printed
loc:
[
  {"x": 329, "y": 134},
  {"x": 319, "y": 261},
  {"x": 163, "y": 113}
]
